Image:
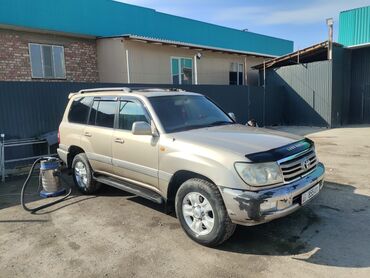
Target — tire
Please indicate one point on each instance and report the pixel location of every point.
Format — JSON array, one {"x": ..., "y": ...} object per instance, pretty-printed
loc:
[
  {"x": 82, "y": 175},
  {"x": 210, "y": 209}
]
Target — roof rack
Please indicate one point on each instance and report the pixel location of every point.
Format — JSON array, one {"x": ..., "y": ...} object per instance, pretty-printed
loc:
[
  {"x": 126, "y": 89},
  {"x": 121, "y": 89},
  {"x": 158, "y": 89}
]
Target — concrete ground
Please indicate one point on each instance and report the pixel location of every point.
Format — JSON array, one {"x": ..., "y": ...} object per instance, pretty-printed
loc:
[{"x": 115, "y": 234}]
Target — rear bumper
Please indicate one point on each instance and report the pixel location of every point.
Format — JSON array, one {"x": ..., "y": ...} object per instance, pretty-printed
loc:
[
  {"x": 63, "y": 154},
  {"x": 253, "y": 208}
]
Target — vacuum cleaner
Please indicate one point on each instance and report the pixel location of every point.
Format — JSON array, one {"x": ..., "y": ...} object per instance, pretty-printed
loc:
[{"x": 50, "y": 182}]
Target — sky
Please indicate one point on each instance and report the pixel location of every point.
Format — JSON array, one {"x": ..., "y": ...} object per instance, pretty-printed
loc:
[{"x": 301, "y": 21}]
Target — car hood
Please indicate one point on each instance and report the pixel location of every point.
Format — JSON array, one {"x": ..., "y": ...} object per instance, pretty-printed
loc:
[{"x": 236, "y": 138}]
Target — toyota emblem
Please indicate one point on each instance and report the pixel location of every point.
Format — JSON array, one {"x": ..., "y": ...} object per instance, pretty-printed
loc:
[{"x": 306, "y": 164}]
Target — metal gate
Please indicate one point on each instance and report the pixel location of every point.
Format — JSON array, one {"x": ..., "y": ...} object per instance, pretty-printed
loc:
[{"x": 366, "y": 104}]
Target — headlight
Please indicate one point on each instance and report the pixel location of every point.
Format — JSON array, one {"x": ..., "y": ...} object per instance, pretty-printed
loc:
[{"x": 259, "y": 174}]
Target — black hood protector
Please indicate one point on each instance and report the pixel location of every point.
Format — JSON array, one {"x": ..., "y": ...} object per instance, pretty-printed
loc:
[{"x": 281, "y": 152}]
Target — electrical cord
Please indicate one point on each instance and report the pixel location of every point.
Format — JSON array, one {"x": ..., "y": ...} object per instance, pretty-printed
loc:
[{"x": 32, "y": 210}]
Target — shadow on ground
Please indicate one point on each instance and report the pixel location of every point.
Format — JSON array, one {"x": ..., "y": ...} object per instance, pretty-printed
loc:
[{"x": 333, "y": 230}]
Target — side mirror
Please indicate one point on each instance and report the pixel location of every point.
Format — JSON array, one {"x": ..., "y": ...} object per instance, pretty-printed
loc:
[
  {"x": 141, "y": 128},
  {"x": 232, "y": 116}
]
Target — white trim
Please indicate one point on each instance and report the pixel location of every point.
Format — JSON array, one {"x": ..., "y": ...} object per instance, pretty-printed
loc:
[
  {"x": 43, "y": 62},
  {"x": 237, "y": 73},
  {"x": 128, "y": 67},
  {"x": 192, "y": 45},
  {"x": 179, "y": 64},
  {"x": 367, "y": 44}
]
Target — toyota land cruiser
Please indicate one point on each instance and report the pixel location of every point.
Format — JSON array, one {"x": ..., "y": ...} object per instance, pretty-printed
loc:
[{"x": 181, "y": 149}]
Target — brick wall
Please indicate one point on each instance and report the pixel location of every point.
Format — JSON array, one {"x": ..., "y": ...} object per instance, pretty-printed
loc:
[{"x": 79, "y": 54}]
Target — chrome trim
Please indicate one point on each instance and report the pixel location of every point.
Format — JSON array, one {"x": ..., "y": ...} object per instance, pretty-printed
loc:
[
  {"x": 99, "y": 158},
  {"x": 164, "y": 176},
  {"x": 295, "y": 155},
  {"x": 135, "y": 167},
  {"x": 298, "y": 171},
  {"x": 131, "y": 181}
]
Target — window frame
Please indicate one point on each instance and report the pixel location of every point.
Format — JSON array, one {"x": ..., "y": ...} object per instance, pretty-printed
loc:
[
  {"x": 237, "y": 74},
  {"x": 104, "y": 98},
  {"x": 137, "y": 101},
  {"x": 42, "y": 61},
  {"x": 178, "y": 58},
  {"x": 91, "y": 99}
]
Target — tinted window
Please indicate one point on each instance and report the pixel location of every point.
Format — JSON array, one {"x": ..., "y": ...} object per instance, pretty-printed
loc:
[
  {"x": 179, "y": 113},
  {"x": 79, "y": 110},
  {"x": 105, "y": 113},
  {"x": 93, "y": 112},
  {"x": 130, "y": 112}
]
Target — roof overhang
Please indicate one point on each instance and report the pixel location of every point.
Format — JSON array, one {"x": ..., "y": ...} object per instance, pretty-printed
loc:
[
  {"x": 309, "y": 54},
  {"x": 363, "y": 45},
  {"x": 44, "y": 31},
  {"x": 197, "y": 47}
]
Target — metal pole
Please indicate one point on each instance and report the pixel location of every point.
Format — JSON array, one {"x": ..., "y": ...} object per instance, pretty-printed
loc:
[
  {"x": 298, "y": 57},
  {"x": 2, "y": 158},
  {"x": 128, "y": 68},
  {"x": 195, "y": 70},
  {"x": 245, "y": 71},
  {"x": 330, "y": 23},
  {"x": 264, "y": 93}
]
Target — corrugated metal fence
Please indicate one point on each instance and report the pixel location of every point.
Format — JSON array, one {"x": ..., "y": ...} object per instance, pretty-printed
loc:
[
  {"x": 308, "y": 91},
  {"x": 30, "y": 109},
  {"x": 360, "y": 86}
]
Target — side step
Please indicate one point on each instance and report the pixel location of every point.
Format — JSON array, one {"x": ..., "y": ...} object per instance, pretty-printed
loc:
[{"x": 132, "y": 188}]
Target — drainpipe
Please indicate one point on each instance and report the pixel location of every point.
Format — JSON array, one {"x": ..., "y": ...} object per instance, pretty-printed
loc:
[
  {"x": 196, "y": 69},
  {"x": 127, "y": 67},
  {"x": 264, "y": 93},
  {"x": 2, "y": 158},
  {"x": 245, "y": 71},
  {"x": 330, "y": 23}
]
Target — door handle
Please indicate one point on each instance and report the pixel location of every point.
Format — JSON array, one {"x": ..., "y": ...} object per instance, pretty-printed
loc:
[
  {"x": 119, "y": 140},
  {"x": 88, "y": 134}
]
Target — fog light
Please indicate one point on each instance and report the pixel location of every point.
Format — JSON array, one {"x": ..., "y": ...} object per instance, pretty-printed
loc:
[{"x": 268, "y": 206}]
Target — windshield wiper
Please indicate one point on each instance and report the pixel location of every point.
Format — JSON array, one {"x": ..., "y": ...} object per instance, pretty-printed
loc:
[
  {"x": 219, "y": 123},
  {"x": 184, "y": 128},
  {"x": 188, "y": 127}
]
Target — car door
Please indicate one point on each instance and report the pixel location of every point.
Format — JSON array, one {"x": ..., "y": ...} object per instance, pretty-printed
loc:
[
  {"x": 97, "y": 134},
  {"x": 135, "y": 157}
]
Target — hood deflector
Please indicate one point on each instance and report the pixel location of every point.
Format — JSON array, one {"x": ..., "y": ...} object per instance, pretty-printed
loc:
[{"x": 281, "y": 152}]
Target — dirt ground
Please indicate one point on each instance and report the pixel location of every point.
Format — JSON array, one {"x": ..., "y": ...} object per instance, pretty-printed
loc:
[{"x": 115, "y": 234}]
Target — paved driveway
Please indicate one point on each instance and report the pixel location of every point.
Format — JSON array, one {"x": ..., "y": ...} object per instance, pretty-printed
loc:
[{"x": 116, "y": 234}]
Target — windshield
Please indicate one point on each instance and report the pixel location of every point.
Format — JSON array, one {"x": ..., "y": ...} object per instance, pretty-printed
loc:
[{"x": 179, "y": 113}]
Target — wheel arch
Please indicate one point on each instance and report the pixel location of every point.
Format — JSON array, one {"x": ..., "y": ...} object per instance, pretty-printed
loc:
[
  {"x": 177, "y": 180},
  {"x": 72, "y": 152}
]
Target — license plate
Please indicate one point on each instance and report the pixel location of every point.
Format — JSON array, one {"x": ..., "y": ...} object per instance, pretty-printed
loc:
[{"x": 308, "y": 195}]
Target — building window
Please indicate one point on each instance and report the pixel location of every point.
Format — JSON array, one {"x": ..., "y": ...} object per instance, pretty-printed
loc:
[
  {"x": 182, "y": 70},
  {"x": 236, "y": 75},
  {"x": 47, "y": 61}
]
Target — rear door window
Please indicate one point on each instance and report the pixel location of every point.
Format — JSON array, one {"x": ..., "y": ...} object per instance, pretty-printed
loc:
[
  {"x": 105, "y": 113},
  {"x": 79, "y": 110}
]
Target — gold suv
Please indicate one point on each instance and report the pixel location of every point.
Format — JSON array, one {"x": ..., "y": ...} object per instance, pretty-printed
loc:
[{"x": 181, "y": 149}]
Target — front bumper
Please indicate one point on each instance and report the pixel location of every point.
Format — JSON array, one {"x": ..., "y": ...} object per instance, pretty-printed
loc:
[{"x": 244, "y": 207}]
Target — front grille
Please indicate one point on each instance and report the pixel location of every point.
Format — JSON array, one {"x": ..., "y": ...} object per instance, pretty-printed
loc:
[{"x": 298, "y": 165}]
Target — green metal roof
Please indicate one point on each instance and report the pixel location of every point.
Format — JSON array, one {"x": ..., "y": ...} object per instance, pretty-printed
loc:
[
  {"x": 105, "y": 18},
  {"x": 354, "y": 26}
]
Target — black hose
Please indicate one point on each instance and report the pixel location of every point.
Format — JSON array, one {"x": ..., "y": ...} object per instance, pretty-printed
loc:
[{"x": 32, "y": 210}]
